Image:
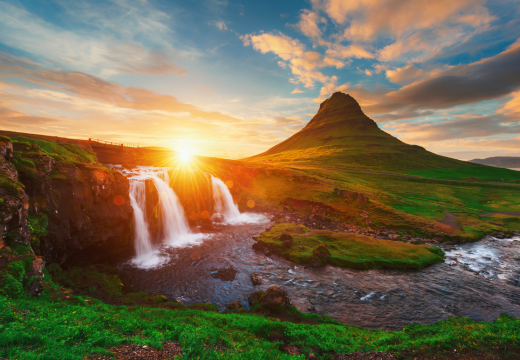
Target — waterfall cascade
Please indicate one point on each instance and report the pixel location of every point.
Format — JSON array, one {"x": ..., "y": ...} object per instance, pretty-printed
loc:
[
  {"x": 143, "y": 245},
  {"x": 223, "y": 201},
  {"x": 173, "y": 220}
]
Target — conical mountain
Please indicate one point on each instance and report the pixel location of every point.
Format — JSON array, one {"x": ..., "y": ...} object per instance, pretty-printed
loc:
[{"x": 340, "y": 135}]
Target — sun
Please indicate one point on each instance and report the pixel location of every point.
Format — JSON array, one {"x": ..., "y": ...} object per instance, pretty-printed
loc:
[{"x": 184, "y": 155}]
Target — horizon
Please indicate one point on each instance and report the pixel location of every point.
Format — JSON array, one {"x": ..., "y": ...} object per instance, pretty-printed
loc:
[{"x": 232, "y": 79}]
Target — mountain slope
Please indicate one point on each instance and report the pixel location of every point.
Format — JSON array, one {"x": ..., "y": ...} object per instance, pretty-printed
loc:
[
  {"x": 340, "y": 135},
  {"x": 500, "y": 161}
]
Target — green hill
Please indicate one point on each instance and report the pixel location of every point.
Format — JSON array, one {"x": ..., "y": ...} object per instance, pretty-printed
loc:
[{"x": 340, "y": 135}]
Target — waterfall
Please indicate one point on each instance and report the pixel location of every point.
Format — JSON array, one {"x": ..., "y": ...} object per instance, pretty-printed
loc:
[
  {"x": 224, "y": 204},
  {"x": 142, "y": 243},
  {"x": 173, "y": 219}
]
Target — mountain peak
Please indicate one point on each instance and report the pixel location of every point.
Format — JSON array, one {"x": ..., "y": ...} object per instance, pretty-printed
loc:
[
  {"x": 341, "y": 108},
  {"x": 339, "y": 122}
]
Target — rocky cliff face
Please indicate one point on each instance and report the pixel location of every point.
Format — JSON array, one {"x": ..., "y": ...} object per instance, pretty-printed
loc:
[
  {"x": 87, "y": 207},
  {"x": 20, "y": 268}
]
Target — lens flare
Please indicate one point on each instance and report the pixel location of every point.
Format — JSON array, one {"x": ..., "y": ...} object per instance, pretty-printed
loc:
[{"x": 184, "y": 155}]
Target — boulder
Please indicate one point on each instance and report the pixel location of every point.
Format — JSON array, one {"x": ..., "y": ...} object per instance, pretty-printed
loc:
[
  {"x": 320, "y": 255},
  {"x": 255, "y": 297},
  {"x": 256, "y": 279},
  {"x": 275, "y": 297},
  {"x": 36, "y": 274},
  {"x": 235, "y": 305}
]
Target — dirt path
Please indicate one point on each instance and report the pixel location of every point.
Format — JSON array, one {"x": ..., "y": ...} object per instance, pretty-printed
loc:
[
  {"x": 450, "y": 220},
  {"x": 398, "y": 175}
]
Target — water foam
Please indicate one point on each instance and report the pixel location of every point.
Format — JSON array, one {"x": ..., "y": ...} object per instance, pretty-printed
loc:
[{"x": 228, "y": 209}]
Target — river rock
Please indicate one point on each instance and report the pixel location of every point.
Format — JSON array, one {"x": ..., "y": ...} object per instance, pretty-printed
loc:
[
  {"x": 255, "y": 297},
  {"x": 235, "y": 305},
  {"x": 256, "y": 279},
  {"x": 320, "y": 255},
  {"x": 275, "y": 297}
]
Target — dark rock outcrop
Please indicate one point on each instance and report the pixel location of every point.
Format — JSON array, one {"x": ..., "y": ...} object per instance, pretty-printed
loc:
[
  {"x": 14, "y": 202},
  {"x": 87, "y": 206},
  {"x": 19, "y": 266}
]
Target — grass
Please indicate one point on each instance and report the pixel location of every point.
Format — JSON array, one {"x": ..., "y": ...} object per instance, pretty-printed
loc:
[
  {"x": 61, "y": 325},
  {"x": 484, "y": 173},
  {"x": 348, "y": 250},
  {"x": 62, "y": 153}
]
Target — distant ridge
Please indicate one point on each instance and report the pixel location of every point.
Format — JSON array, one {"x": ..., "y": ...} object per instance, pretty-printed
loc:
[
  {"x": 341, "y": 135},
  {"x": 500, "y": 161}
]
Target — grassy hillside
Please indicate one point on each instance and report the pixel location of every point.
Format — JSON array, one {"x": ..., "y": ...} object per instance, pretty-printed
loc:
[{"x": 342, "y": 136}]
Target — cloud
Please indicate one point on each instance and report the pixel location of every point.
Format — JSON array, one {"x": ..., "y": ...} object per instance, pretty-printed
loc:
[
  {"x": 458, "y": 127},
  {"x": 219, "y": 24},
  {"x": 17, "y": 119},
  {"x": 415, "y": 26},
  {"x": 309, "y": 25},
  {"x": 304, "y": 64},
  {"x": 296, "y": 91},
  {"x": 83, "y": 86},
  {"x": 282, "y": 64},
  {"x": 113, "y": 45},
  {"x": 203, "y": 89},
  {"x": 512, "y": 107},
  {"x": 404, "y": 74},
  {"x": 486, "y": 79}
]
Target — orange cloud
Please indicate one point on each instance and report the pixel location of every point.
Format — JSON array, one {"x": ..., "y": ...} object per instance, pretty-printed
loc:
[
  {"x": 419, "y": 27},
  {"x": 405, "y": 74},
  {"x": 303, "y": 64}
]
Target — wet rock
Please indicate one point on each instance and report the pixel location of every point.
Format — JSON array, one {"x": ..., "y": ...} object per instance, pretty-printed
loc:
[
  {"x": 235, "y": 305},
  {"x": 320, "y": 255},
  {"x": 255, "y": 297},
  {"x": 256, "y": 279},
  {"x": 36, "y": 274},
  {"x": 275, "y": 297}
]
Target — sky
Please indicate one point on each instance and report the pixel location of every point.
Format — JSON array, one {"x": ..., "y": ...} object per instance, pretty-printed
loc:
[{"x": 232, "y": 78}]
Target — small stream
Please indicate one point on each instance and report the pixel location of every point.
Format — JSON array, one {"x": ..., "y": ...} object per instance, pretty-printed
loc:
[{"x": 479, "y": 280}]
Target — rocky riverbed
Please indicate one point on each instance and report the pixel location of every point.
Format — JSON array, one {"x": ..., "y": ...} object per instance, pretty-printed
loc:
[{"x": 480, "y": 280}]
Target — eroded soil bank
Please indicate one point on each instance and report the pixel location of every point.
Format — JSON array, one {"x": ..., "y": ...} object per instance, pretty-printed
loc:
[{"x": 479, "y": 280}]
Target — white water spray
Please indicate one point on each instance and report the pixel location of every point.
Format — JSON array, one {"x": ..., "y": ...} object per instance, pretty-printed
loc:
[
  {"x": 225, "y": 206},
  {"x": 142, "y": 243}
]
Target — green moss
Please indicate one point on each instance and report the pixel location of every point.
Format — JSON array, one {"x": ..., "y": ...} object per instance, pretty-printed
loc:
[
  {"x": 349, "y": 250},
  {"x": 62, "y": 153},
  {"x": 5, "y": 138},
  {"x": 11, "y": 186},
  {"x": 93, "y": 280},
  {"x": 38, "y": 226}
]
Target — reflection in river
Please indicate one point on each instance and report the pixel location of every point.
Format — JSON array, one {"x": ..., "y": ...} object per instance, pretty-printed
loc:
[{"x": 479, "y": 280}]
